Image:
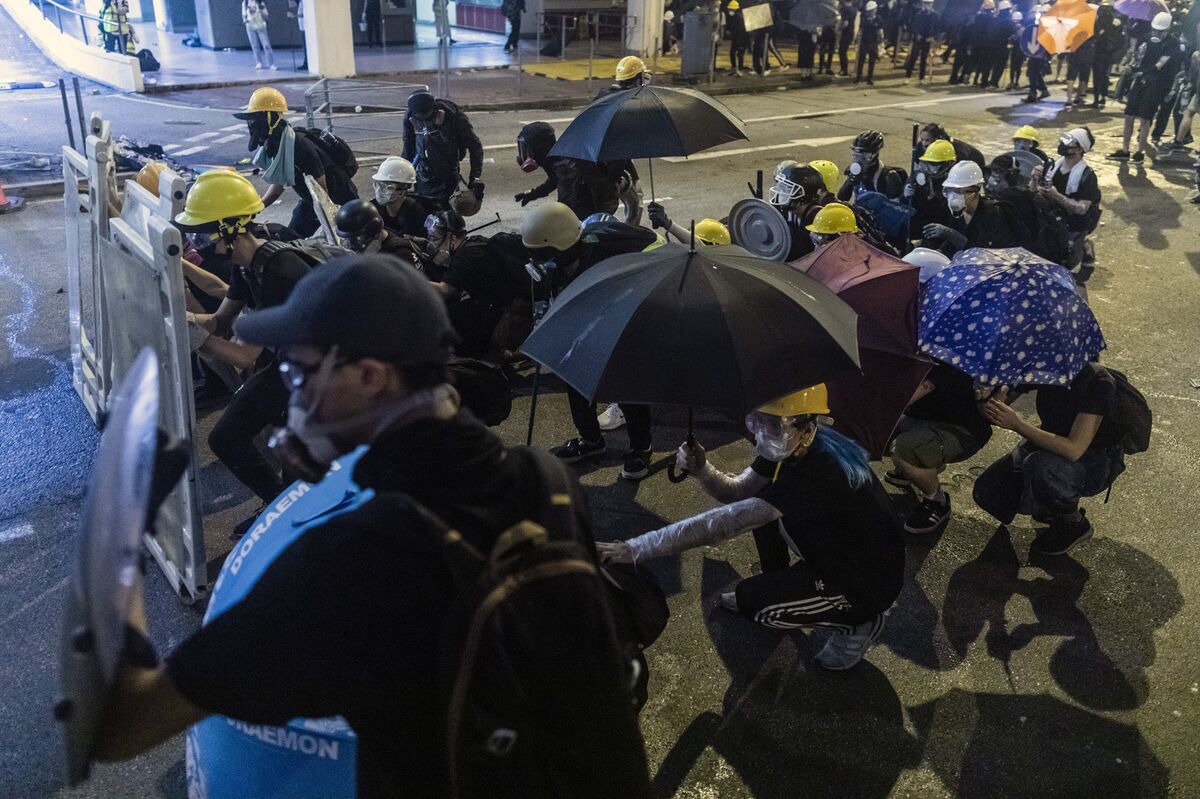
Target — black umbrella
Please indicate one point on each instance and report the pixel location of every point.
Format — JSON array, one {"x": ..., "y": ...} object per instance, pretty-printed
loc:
[
  {"x": 648, "y": 122},
  {"x": 715, "y": 328}
]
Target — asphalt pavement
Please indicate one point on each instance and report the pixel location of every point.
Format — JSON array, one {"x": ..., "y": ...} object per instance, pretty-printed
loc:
[{"x": 997, "y": 675}]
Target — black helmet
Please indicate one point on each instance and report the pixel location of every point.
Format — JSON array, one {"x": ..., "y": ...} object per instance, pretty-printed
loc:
[
  {"x": 1006, "y": 167},
  {"x": 795, "y": 182},
  {"x": 533, "y": 145},
  {"x": 358, "y": 222},
  {"x": 870, "y": 141}
]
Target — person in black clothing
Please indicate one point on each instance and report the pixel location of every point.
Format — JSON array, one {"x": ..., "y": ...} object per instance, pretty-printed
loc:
[
  {"x": 1072, "y": 185},
  {"x": 1001, "y": 33},
  {"x": 924, "y": 29},
  {"x": 559, "y": 250},
  {"x": 978, "y": 221},
  {"x": 1075, "y": 453},
  {"x": 1154, "y": 67},
  {"x": 1109, "y": 39},
  {"x": 351, "y": 618},
  {"x": 924, "y": 189},
  {"x": 1016, "y": 56},
  {"x": 799, "y": 193},
  {"x": 401, "y": 211},
  {"x": 437, "y": 136},
  {"x": 806, "y": 50},
  {"x": 865, "y": 172},
  {"x": 941, "y": 425},
  {"x": 372, "y": 14},
  {"x": 826, "y": 45},
  {"x": 361, "y": 229},
  {"x": 847, "y": 14},
  {"x": 264, "y": 276},
  {"x": 512, "y": 10},
  {"x": 1079, "y": 69},
  {"x": 963, "y": 151},
  {"x": 962, "y": 40},
  {"x": 1037, "y": 70},
  {"x": 984, "y": 34},
  {"x": 810, "y": 492},
  {"x": 286, "y": 156},
  {"x": 583, "y": 186},
  {"x": 869, "y": 29},
  {"x": 759, "y": 53},
  {"x": 738, "y": 38}
]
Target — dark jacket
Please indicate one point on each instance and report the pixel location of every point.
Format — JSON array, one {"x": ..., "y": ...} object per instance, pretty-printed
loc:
[
  {"x": 456, "y": 126},
  {"x": 989, "y": 227}
]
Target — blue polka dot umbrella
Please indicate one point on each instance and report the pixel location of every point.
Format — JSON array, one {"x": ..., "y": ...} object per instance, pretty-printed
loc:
[{"x": 1007, "y": 317}]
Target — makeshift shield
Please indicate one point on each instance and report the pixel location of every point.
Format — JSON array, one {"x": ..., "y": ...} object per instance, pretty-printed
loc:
[
  {"x": 105, "y": 581},
  {"x": 758, "y": 227},
  {"x": 326, "y": 210},
  {"x": 1025, "y": 161}
]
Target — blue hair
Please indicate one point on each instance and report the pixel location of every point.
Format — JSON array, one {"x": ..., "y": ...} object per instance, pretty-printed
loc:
[{"x": 849, "y": 455}]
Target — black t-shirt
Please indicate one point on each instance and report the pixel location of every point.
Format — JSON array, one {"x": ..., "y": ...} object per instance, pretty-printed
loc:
[
  {"x": 475, "y": 270},
  {"x": 409, "y": 218},
  {"x": 1092, "y": 391},
  {"x": 1089, "y": 189},
  {"x": 269, "y": 280},
  {"x": 347, "y": 619},
  {"x": 308, "y": 160},
  {"x": 989, "y": 227},
  {"x": 952, "y": 401},
  {"x": 846, "y": 534}
]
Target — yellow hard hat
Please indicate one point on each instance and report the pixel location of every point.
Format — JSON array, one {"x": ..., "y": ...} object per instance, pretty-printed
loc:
[
  {"x": 829, "y": 173},
  {"x": 939, "y": 152},
  {"x": 810, "y": 401},
  {"x": 147, "y": 176},
  {"x": 266, "y": 98},
  {"x": 834, "y": 218},
  {"x": 1026, "y": 132},
  {"x": 630, "y": 67},
  {"x": 710, "y": 231},
  {"x": 219, "y": 195},
  {"x": 733, "y": 6},
  {"x": 551, "y": 225}
]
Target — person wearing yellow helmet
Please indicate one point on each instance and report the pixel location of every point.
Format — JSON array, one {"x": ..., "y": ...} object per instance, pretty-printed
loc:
[
  {"x": 832, "y": 221},
  {"x": 219, "y": 212},
  {"x": 829, "y": 173},
  {"x": 738, "y": 38},
  {"x": 933, "y": 131},
  {"x": 812, "y": 490},
  {"x": 710, "y": 232},
  {"x": 630, "y": 73},
  {"x": 285, "y": 158},
  {"x": 1025, "y": 139},
  {"x": 924, "y": 188}
]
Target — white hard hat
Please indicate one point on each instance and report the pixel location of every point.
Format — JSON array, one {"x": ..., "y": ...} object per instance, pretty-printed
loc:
[
  {"x": 550, "y": 225},
  {"x": 871, "y": 6},
  {"x": 1161, "y": 21},
  {"x": 1003, "y": 4},
  {"x": 396, "y": 170},
  {"x": 930, "y": 261},
  {"x": 1017, "y": 16},
  {"x": 964, "y": 175}
]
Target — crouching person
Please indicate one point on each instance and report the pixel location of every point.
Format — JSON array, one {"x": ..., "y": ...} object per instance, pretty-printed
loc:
[
  {"x": 814, "y": 488},
  {"x": 1077, "y": 452}
]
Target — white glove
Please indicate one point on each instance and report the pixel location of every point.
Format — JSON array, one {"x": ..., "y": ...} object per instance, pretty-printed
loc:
[{"x": 197, "y": 335}]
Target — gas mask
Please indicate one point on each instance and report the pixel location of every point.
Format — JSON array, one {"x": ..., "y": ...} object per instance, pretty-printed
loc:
[
  {"x": 920, "y": 178},
  {"x": 305, "y": 446},
  {"x": 367, "y": 247},
  {"x": 1156, "y": 39},
  {"x": 525, "y": 159},
  {"x": 819, "y": 240},
  {"x": 430, "y": 123},
  {"x": 861, "y": 161},
  {"x": 1022, "y": 145},
  {"x": 387, "y": 192}
]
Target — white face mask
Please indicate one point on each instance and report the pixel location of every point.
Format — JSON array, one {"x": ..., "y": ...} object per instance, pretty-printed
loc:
[
  {"x": 921, "y": 179},
  {"x": 386, "y": 193},
  {"x": 957, "y": 203},
  {"x": 776, "y": 448}
]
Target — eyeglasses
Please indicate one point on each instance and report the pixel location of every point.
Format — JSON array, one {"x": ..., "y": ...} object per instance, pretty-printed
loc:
[{"x": 295, "y": 375}]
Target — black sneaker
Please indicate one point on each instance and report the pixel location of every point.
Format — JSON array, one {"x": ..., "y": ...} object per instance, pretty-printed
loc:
[
  {"x": 244, "y": 526},
  {"x": 893, "y": 477},
  {"x": 928, "y": 517},
  {"x": 1138, "y": 157},
  {"x": 1118, "y": 155},
  {"x": 577, "y": 449},
  {"x": 637, "y": 464},
  {"x": 1061, "y": 536}
]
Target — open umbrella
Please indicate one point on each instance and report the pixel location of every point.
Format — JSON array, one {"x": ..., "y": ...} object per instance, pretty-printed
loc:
[
  {"x": 808, "y": 15},
  {"x": 1066, "y": 26},
  {"x": 1140, "y": 9},
  {"x": 885, "y": 293},
  {"x": 1007, "y": 317},
  {"x": 648, "y": 122},
  {"x": 715, "y": 328}
]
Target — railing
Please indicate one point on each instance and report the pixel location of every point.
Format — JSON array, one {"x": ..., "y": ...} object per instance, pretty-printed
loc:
[
  {"x": 68, "y": 29},
  {"x": 597, "y": 26},
  {"x": 361, "y": 112}
]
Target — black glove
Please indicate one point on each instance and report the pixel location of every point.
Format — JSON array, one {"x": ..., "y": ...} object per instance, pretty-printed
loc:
[
  {"x": 476, "y": 187},
  {"x": 946, "y": 234},
  {"x": 523, "y": 198},
  {"x": 658, "y": 216}
]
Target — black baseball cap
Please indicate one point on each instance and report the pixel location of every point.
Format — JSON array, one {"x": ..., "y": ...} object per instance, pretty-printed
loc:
[
  {"x": 372, "y": 306},
  {"x": 421, "y": 105}
]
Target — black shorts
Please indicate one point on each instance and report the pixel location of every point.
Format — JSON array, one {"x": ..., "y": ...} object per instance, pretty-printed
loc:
[
  {"x": 1078, "y": 68},
  {"x": 1144, "y": 99}
]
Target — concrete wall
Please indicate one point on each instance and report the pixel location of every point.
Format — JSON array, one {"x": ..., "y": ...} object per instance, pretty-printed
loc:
[{"x": 119, "y": 71}]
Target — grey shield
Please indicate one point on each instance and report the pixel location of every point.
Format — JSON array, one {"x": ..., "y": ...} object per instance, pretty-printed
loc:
[
  {"x": 757, "y": 226},
  {"x": 105, "y": 581},
  {"x": 1025, "y": 161}
]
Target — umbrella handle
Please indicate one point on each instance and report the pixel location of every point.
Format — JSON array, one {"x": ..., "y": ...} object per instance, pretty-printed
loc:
[{"x": 682, "y": 474}]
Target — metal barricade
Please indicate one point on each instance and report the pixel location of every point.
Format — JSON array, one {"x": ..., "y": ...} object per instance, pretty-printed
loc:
[
  {"x": 128, "y": 262},
  {"x": 367, "y": 114}
]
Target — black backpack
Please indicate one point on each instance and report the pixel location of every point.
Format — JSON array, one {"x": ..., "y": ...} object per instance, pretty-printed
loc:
[
  {"x": 537, "y": 686},
  {"x": 1039, "y": 224},
  {"x": 314, "y": 251},
  {"x": 335, "y": 148},
  {"x": 484, "y": 389},
  {"x": 1133, "y": 414},
  {"x": 147, "y": 62}
]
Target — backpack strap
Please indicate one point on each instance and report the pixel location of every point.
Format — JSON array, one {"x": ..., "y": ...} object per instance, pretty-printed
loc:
[{"x": 556, "y": 511}]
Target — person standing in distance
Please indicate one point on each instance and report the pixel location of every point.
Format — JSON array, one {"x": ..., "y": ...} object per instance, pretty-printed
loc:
[{"x": 437, "y": 136}]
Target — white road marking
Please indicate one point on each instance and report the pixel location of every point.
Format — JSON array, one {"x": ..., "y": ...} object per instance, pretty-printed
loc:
[
  {"x": 170, "y": 148},
  {"x": 820, "y": 142},
  {"x": 499, "y": 146},
  {"x": 858, "y": 109},
  {"x": 227, "y": 139},
  {"x": 212, "y": 134},
  {"x": 549, "y": 121},
  {"x": 190, "y": 150},
  {"x": 239, "y": 126},
  {"x": 15, "y": 532}
]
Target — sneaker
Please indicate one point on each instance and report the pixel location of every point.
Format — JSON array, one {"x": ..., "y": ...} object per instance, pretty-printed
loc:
[
  {"x": 928, "y": 517},
  {"x": 1138, "y": 157},
  {"x": 893, "y": 477},
  {"x": 243, "y": 527},
  {"x": 258, "y": 66},
  {"x": 611, "y": 418},
  {"x": 637, "y": 464},
  {"x": 577, "y": 449},
  {"x": 1195, "y": 198},
  {"x": 764, "y": 73},
  {"x": 844, "y": 650},
  {"x": 1061, "y": 537},
  {"x": 1118, "y": 155},
  {"x": 1043, "y": 94},
  {"x": 907, "y": 81},
  {"x": 737, "y": 73},
  {"x": 274, "y": 68},
  {"x": 729, "y": 601}
]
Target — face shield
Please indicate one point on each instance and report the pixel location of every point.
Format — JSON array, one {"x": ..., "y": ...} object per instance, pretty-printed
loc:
[
  {"x": 860, "y": 160},
  {"x": 388, "y": 192},
  {"x": 784, "y": 192}
]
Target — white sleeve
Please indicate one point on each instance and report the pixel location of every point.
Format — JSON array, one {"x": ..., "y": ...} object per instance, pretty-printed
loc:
[
  {"x": 724, "y": 487},
  {"x": 710, "y": 527}
]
